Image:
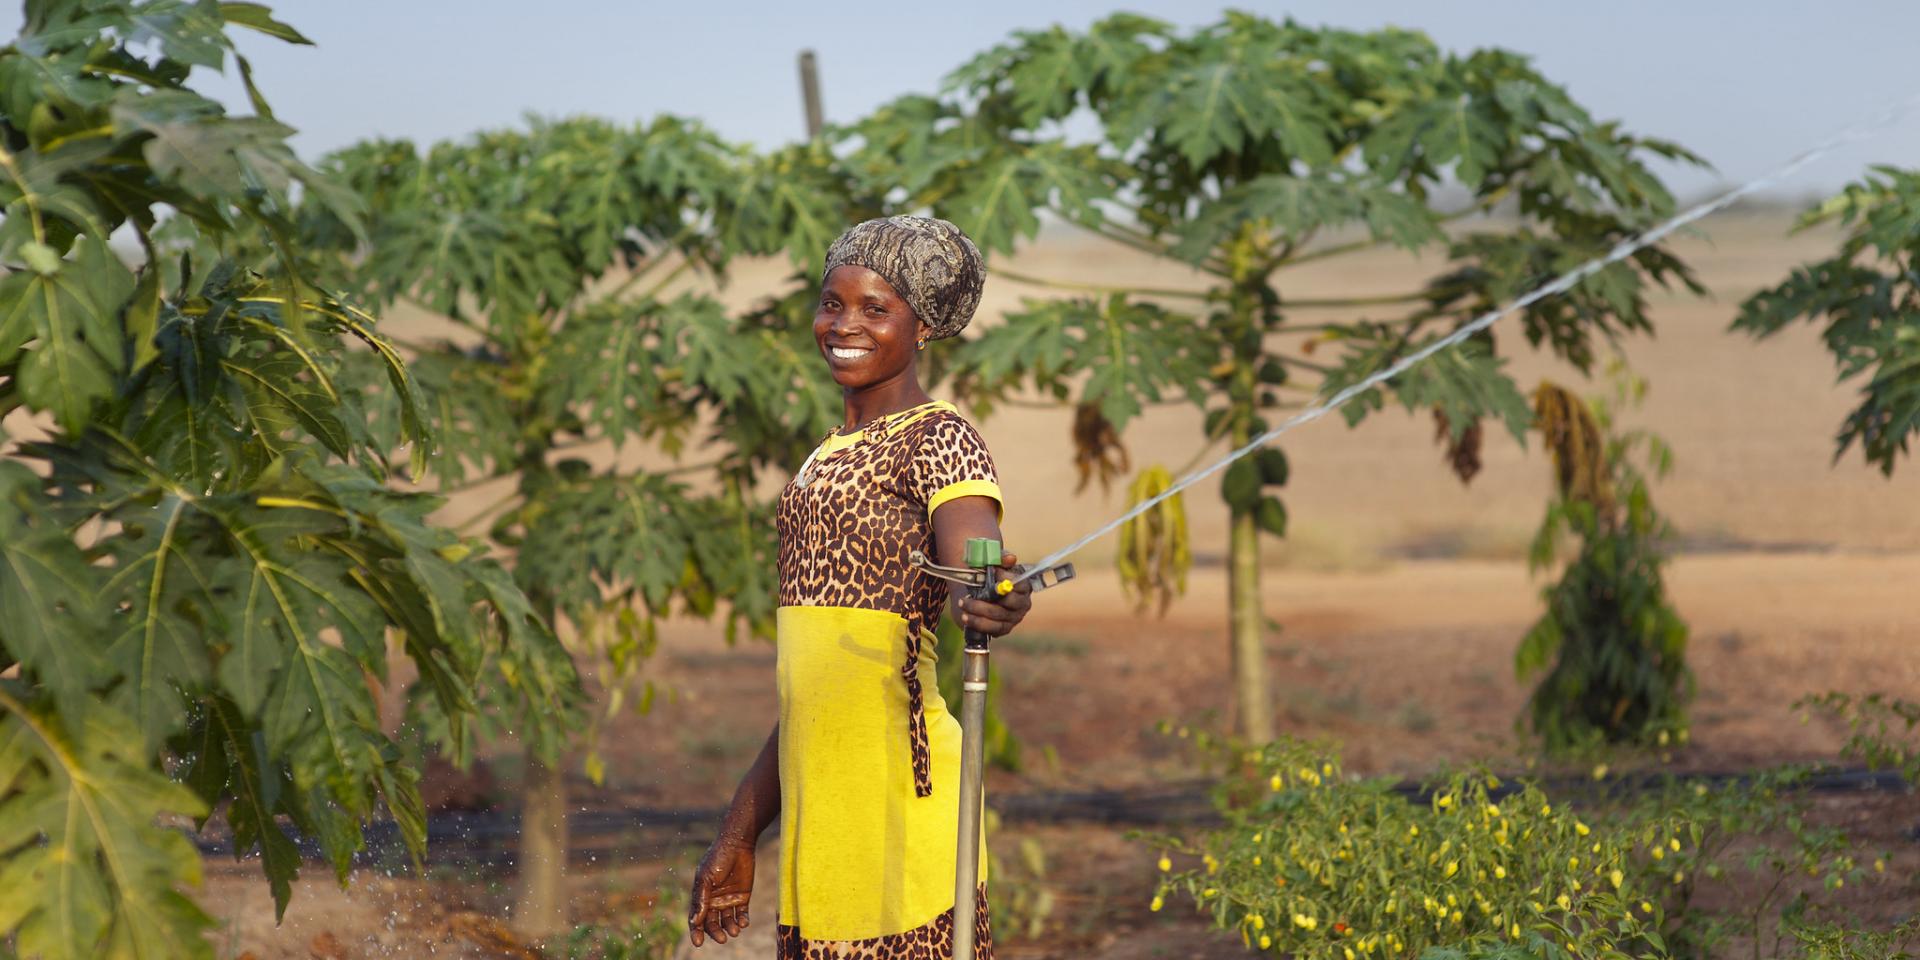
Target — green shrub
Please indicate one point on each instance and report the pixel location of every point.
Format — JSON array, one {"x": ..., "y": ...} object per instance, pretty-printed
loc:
[
  {"x": 1756, "y": 839},
  {"x": 1831, "y": 941},
  {"x": 1879, "y": 729},
  {"x": 1611, "y": 646},
  {"x": 649, "y": 935},
  {"x": 1315, "y": 865}
]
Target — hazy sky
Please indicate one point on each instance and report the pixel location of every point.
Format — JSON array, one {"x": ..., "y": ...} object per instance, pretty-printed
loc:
[{"x": 1744, "y": 83}]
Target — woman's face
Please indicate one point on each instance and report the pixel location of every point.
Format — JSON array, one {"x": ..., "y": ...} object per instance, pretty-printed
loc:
[{"x": 866, "y": 332}]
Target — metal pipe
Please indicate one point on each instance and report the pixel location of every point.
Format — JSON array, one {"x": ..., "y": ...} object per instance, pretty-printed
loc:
[{"x": 973, "y": 715}]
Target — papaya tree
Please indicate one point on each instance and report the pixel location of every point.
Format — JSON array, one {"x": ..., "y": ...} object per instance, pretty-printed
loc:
[
  {"x": 1245, "y": 150},
  {"x": 571, "y": 266},
  {"x": 1868, "y": 296},
  {"x": 200, "y": 559},
  {"x": 1610, "y": 649}
]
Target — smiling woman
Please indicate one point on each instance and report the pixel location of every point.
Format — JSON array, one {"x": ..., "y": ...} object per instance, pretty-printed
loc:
[{"x": 863, "y": 769}]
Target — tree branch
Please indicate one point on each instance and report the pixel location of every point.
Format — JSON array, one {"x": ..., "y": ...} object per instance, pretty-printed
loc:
[
  {"x": 1019, "y": 277},
  {"x": 1304, "y": 364},
  {"x": 473, "y": 521},
  {"x": 1323, "y": 303},
  {"x": 483, "y": 332},
  {"x": 1483, "y": 205},
  {"x": 1144, "y": 243}
]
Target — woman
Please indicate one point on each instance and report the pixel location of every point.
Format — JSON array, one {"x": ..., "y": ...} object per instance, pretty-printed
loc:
[{"x": 863, "y": 768}]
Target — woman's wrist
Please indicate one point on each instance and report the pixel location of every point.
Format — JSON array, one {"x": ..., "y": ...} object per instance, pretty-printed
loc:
[{"x": 737, "y": 832}]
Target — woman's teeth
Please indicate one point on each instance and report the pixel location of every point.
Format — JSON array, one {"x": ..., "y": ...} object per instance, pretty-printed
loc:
[{"x": 848, "y": 353}]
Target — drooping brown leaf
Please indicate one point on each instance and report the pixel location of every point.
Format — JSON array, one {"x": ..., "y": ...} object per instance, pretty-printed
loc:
[
  {"x": 1463, "y": 451},
  {"x": 1154, "y": 555},
  {"x": 1097, "y": 450},
  {"x": 1577, "y": 445}
]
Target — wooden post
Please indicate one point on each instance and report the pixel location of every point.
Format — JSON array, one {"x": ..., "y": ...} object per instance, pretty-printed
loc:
[{"x": 810, "y": 93}]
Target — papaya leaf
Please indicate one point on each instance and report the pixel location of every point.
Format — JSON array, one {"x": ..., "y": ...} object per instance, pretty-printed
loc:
[{"x": 89, "y": 872}]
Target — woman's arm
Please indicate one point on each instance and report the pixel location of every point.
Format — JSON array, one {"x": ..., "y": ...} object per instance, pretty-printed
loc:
[
  {"x": 723, "y": 882},
  {"x": 756, "y": 802},
  {"x": 954, "y": 523}
]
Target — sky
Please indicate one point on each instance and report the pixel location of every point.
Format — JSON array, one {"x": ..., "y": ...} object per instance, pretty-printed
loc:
[{"x": 1746, "y": 84}]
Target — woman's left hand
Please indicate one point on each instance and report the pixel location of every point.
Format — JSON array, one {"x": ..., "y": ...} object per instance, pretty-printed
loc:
[{"x": 997, "y": 617}]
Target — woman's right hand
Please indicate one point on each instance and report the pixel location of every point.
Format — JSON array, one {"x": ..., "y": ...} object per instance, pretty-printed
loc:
[{"x": 722, "y": 885}]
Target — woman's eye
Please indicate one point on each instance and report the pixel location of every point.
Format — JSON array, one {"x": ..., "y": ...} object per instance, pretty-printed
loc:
[{"x": 874, "y": 310}]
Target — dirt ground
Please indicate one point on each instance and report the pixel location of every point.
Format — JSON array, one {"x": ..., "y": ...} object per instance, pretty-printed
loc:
[{"x": 1397, "y": 602}]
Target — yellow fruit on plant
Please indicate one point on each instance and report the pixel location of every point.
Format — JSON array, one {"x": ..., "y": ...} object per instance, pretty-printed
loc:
[{"x": 1165, "y": 863}]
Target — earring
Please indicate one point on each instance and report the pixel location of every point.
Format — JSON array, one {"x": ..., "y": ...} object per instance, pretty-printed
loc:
[{"x": 923, "y": 343}]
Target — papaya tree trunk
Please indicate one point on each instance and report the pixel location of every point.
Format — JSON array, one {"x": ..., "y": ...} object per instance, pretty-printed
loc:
[
  {"x": 1247, "y": 624},
  {"x": 540, "y": 904}
]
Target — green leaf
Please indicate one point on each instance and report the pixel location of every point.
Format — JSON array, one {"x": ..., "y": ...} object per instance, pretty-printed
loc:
[
  {"x": 1868, "y": 299},
  {"x": 257, "y": 16},
  {"x": 1465, "y": 383},
  {"x": 51, "y": 595},
  {"x": 996, "y": 199},
  {"x": 143, "y": 317},
  {"x": 1298, "y": 207},
  {"x": 69, "y": 320},
  {"x": 40, "y": 258},
  {"x": 229, "y": 761},
  {"x": 167, "y": 590},
  {"x": 1133, "y": 353},
  {"x": 96, "y": 875}
]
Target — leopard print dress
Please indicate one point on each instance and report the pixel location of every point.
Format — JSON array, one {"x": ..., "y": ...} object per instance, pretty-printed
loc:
[{"x": 869, "y": 755}]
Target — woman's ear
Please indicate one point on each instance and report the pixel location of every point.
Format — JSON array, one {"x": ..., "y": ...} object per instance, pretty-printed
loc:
[{"x": 922, "y": 334}]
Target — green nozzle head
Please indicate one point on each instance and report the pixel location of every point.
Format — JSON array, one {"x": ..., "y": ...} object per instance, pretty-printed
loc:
[{"x": 983, "y": 552}]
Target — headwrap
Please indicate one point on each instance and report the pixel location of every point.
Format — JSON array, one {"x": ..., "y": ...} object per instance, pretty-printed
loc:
[{"x": 929, "y": 262}]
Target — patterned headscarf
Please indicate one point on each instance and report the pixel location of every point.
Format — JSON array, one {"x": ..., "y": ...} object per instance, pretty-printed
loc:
[{"x": 929, "y": 262}]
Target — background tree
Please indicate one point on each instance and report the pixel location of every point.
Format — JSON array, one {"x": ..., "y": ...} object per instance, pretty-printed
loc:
[
  {"x": 199, "y": 559},
  {"x": 1868, "y": 295},
  {"x": 1244, "y": 149},
  {"x": 1610, "y": 649},
  {"x": 552, "y": 253}
]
